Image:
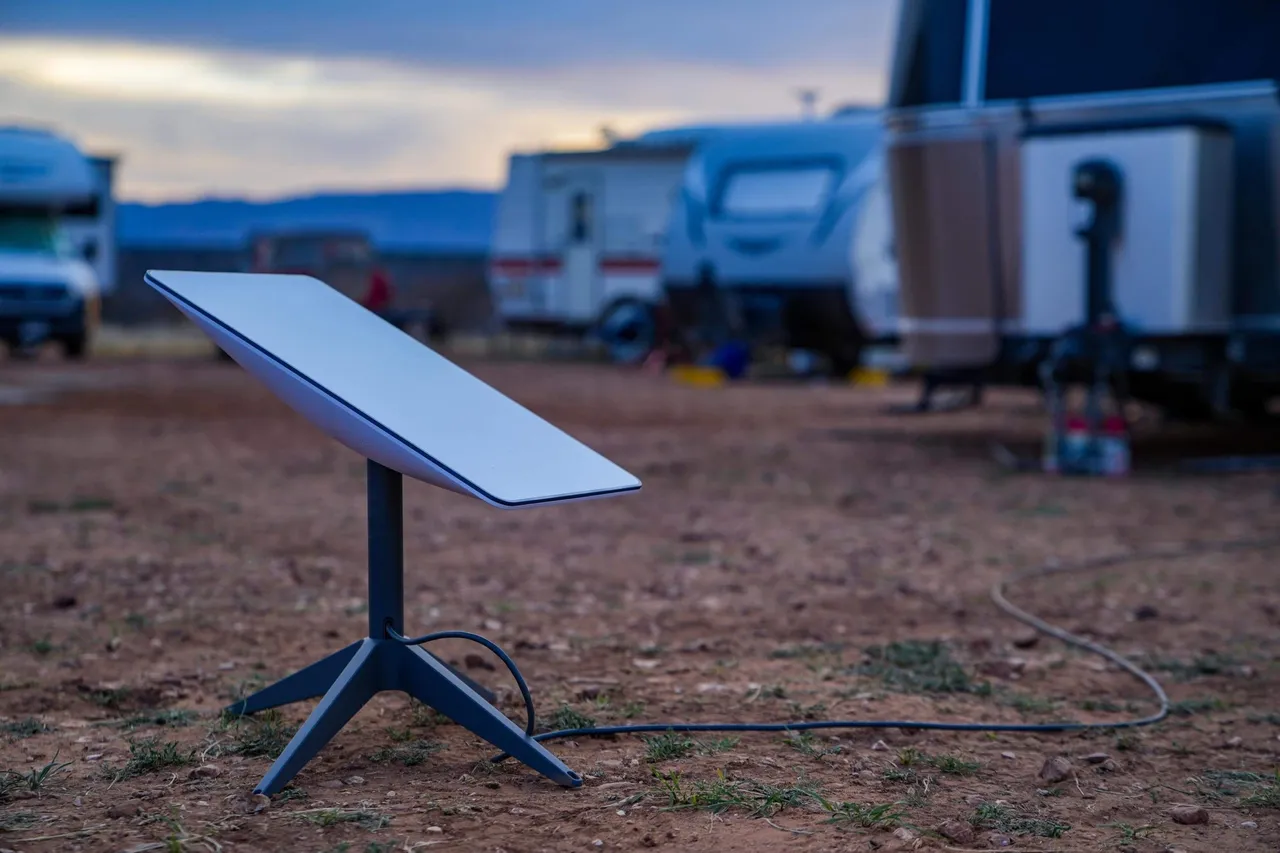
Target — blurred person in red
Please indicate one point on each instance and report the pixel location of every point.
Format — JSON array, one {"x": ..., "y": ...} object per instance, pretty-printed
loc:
[{"x": 379, "y": 296}]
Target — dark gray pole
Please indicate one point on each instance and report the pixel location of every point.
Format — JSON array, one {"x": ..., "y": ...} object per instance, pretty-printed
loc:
[{"x": 386, "y": 550}]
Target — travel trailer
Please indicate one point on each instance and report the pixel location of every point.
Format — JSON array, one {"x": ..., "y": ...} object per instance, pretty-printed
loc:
[
  {"x": 47, "y": 289},
  {"x": 578, "y": 241},
  {"x": 785, "y": 229},
  {"x": 1009, "y": 123}
]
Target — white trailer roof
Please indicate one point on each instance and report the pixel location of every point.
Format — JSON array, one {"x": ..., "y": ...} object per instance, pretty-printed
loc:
[{"x": 38, "y": 168}]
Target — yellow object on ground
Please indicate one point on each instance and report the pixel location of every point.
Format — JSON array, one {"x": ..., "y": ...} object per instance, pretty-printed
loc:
[
  {"x": 698, "y": 376},
  {"x": 869, "y": 377}
]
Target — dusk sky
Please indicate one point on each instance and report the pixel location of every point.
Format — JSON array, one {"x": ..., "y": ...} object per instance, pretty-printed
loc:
[{"x": 268, "y": 97}]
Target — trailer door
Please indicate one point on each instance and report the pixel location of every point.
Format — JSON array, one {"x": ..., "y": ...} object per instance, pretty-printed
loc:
[{"x": 573, "y": 226}]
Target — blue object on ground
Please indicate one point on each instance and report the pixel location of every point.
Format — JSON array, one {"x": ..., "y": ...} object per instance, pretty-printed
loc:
[{"x": 733, "y": 358}]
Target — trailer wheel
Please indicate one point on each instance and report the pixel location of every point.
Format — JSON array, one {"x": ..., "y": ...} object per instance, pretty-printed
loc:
[
  {"x": 75, "y": 346},
  {"x": 628, "y": 329}
]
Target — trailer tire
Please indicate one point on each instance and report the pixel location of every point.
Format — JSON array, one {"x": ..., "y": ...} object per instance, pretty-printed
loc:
[
  {"x": 628, "y": 328},
  {"x": 75, "y": 347}
]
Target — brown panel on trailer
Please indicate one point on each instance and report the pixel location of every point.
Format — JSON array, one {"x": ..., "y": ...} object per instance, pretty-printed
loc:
[{"x": 950, "y": 258}]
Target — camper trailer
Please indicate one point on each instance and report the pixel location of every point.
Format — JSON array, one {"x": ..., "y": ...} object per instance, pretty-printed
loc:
[
  {"x": 786, "y": 226},
  {"x": 578, "y": 241},
  {"x": 1002, "y": 117},
  {"x": 47, "y": 290}
]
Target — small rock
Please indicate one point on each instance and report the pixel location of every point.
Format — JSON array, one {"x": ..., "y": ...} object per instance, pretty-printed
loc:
[
  {"x": 1026, "y": 641},
  {"x": 880, "y": 746},
  {"x": 1008, "y": 755},
  {"x": 475, "y": 661},
  {"x": 113, "y": 643},
  {"x": 1249, "y": 824},
  {"x": 597, "y": 843},
  {"x": 1095, "y": 758},
  {"x": 93, "y": 756},
  {"x": 1146, "y": 612},
  {"x": 353, "y": 780},
  {"x": 331, "y": 783},
  {"x": 1234, "y": 742},
  {"x": 648, "y": 841},
  {"x": 996, "y": 840},
  {"x": 435, "y": 830},
  {"x": 205, "y": 771},
  {"x": 123, "y": 811},
  {"x": 64, "y": 602},
  {"x": 258, "y": 803},
  {"x": 957, "y": 831},
  {"x": 492, "y": 625},
  {"x": 1189, "y": 815},
  {"x": 1056, "y": 769},
  {"x": 1108, "y": 766},
  {"x": 493, "y": 783},
  {"x": 904, "y": 834}
]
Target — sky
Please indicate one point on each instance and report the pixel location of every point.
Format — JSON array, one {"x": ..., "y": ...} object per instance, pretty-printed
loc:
[{"x": 264, "y": 98}]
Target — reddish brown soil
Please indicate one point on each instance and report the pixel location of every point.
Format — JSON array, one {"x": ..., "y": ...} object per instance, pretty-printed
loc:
[{"x": 170, "y": 536}]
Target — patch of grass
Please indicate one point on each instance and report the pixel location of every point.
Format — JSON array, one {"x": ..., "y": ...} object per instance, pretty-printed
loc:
[
  {"x": 33, "y": 780},
  {"x": 182, "y": 840},
  {"x": 1265, "y": 796},
  {"x": 914, "y": 666},
  {"x": 333, "y": 817},
  {"x": 566, "y": 717},
  {"x": 806, "y": 650},
  {"x": 1027, "y": 704},
  {"x": 169, "y": 717},
  {"x": 1202, "y": 705},
  {"x": 136, "y": 621},
  {"x": 84, "y": 503},
  {"x": 15, "y": 821},
  {"x": 290, "y": 794},
  {"x": 42, "y": 647},
  {"x": 631, "y": 710},
  {"x": 671, "y": 746},
  {"x": 261, "y": 735},
  {"x": 28, "y": 727},
  {"x": 1127, "y": 833},
  {"x": 409, "y": 755},
  {"x": 399, "y": 735},
  {"x": 880, "y": 816},
  {"x": 953, "y": 766},
  {"x": 424, "y": 716},
  {"x": 111, "y": 698},
  {"x": 722, "y": 794},
  {"x": 1201, "y": 666},
  {"x": 150, "y": 755},
  {"x": 805, "y": 744},
  {"x": 1005, "y": 819}
]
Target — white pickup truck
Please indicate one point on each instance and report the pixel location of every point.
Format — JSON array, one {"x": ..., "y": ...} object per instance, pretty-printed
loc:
[{"x": 48, "y": 292}]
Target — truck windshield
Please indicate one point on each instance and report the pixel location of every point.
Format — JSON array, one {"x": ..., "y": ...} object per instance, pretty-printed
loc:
[
  {"x": 773, "y": 191},
  {"x": 28, "y": 233}
]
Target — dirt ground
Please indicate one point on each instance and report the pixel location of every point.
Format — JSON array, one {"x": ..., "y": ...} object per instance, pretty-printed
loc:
[{"x": 171, "y": 538}]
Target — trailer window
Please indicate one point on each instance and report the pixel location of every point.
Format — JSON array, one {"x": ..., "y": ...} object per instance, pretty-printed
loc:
[
  {"x": 1087, "y": 46},
  {"x": 929, "y": 65},
  {"x": 580, "y": 217},
  {"x": 771, "y": 192}
]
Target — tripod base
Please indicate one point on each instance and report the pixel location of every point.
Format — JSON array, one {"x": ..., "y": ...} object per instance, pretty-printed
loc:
[{"x": 349, "y": 678}]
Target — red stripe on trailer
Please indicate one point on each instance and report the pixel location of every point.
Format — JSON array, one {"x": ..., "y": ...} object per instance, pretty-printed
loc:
[
  {"x": 524, "y": 266},
  {"x": 633, "y": 265}
]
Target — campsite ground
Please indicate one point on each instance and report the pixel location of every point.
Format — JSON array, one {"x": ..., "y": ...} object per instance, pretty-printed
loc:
[{"x": 172, "y": 537}]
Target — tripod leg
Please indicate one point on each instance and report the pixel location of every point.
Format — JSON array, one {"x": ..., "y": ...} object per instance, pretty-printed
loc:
[
  {"x": 431, "y": 683},
  {"x": 306, "y": 683},
  {"x": 485, "y": 693},
  {"x": 354, "y": 686}
]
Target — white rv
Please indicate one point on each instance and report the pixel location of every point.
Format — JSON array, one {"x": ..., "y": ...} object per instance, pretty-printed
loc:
[
  {"x": 47, "y": 289},
  {"x": 788, "y": 224},
  {"x": 91, "y": 226},
  {"x": 578, "y": 241}
]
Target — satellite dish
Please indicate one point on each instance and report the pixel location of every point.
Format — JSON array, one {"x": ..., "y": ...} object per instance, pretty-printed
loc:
[{"x": 384, "y": 394}]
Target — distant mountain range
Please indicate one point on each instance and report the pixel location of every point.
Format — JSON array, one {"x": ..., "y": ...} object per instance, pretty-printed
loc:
[{"x": 443, "y": 221}]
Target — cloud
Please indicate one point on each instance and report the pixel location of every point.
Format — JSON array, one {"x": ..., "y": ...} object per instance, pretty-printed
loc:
[
  {"x": 192, "y": 121},
  {"x": 482, "y": 33}
]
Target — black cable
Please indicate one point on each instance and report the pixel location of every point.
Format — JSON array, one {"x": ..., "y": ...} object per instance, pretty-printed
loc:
[
  {"x": 997, "y": 597},
  {"x": 488, "y": 644}
]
